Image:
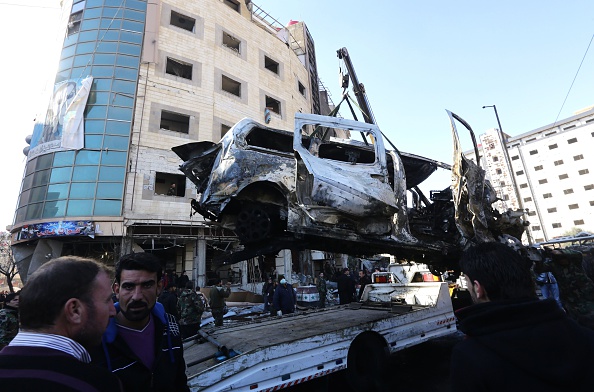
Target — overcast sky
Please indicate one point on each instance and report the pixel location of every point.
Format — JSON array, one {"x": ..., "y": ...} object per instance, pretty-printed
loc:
[{"x": 415, "y": 58}]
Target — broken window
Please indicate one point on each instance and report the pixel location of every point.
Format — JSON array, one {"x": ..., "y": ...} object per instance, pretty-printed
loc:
[
  {"x": 276, "y": 141},
  {"x": 271, "y": 65},
  {"x": 182, "y": 21},
  {"x": 169, "y": 184},
  {"x": 178, "y": 68},
  {"x": 74, "y": 22},
  {"x": 175, "y": 121},
  {"x": 231, "y": 42},
  {"x": 231, "y": 86},
  {"x": 273, "y": 105}
]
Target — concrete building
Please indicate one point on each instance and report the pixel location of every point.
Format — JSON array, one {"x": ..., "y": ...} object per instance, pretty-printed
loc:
[
  {"x": 164, "y": 73},
  {"x": 546, "y": 172}
]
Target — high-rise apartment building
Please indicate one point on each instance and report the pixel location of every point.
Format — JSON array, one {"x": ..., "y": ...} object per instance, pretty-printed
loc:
[
  {"x": 547, "y": 172},
  {"x": 135, "y": 79}
]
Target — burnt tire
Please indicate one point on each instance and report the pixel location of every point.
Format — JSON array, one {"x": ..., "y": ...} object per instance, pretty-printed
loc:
[
  {"x": 367, "y": 363},
  {"x": 254, "y": 223}
]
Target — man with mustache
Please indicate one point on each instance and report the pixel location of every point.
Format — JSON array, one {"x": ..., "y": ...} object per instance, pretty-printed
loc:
[{"x": 142, "y": 346}]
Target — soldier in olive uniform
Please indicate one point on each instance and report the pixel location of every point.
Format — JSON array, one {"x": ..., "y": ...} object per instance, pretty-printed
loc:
[
  {"x": 190, "y": 308},
  {"x": 9, "y": 319},
  {"x": 322, "y": 290}
]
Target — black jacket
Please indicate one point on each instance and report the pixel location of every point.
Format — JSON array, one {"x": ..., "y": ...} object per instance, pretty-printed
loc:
[
  {"x": 169, "y": 370},
  {"x": 525, "y": 345},
  {"x": 169, "y": 301}
]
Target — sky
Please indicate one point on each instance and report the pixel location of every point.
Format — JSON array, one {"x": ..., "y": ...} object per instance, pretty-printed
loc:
[{"x": 415, "y": 58}]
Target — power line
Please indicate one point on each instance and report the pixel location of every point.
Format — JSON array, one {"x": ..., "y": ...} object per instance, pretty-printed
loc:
[{"x": 574, "y": 78}]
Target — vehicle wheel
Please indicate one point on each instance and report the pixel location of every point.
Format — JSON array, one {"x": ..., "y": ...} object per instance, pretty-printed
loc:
[
  {"x": 253, "y": 223},
  {"x": 366, "y": 363}
]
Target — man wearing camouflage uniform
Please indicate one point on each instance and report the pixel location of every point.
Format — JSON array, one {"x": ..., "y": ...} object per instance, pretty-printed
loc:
[
  {"x": 190, "y": 308},
  {"x": 9, "y": 319},
  {"x": 322, "y": 290}
]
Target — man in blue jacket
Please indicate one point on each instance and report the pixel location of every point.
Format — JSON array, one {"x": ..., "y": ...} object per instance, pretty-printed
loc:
[
  {"x": 142, "y": 344},
  {"x": 285, "y": 298}
]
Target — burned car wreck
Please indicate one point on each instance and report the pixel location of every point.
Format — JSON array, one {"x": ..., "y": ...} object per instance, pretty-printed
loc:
[{"x": 330, "y": 185}]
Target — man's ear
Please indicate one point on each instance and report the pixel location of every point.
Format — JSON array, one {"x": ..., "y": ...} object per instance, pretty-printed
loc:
[
  {"x": 74, "y": 310},
  {"x": 115, "y": 287},
  {"x": 480, "y": 291}
]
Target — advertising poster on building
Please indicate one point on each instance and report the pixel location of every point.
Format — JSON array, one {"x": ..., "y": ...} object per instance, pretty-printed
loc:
[
  {"x": 62, "y": 126},
  {"x": 57, "y": 229}
]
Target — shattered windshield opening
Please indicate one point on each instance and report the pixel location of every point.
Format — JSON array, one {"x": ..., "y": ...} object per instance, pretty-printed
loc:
[{"x": 336, "y": 144}]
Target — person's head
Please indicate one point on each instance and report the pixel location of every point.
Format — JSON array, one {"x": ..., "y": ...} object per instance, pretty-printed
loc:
[
  {"x": 138, "y": 284},
  {"x": 283, "y": 281},
  {"x": 190, "y": 284},
  {"x": 171, "y": 287},
  {"x": 494, "y": 271},
  {"x": 321, "y": 275},
  {"x": 12, "y": 300},
  {"x": 172, "y": 185},
  {"x": 68, "y": 296},
  {"x": 361, "y": 274},
  {"x": 346, "y": 271}
]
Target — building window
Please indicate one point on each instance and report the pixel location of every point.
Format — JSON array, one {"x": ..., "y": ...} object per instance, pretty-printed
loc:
[
  {"x": 523, "y": 186},
  {"x": 543, "y": 181},
  {"x": 552, "y": 210},
  {"x": 301, "y": 89},
  {"x": 553, "y": 146},
  {"x": 527, "y": 199},
  {"x": 273, "y": 105},
  {"x": 175, "y": 122},
  {"x": 578, "y": 222},
  {"x": 178, "y": 68},
  {"x": 531, "y": 213},
  {"x": 588, "y": 187},
  {"x": 531, "y": 140},
  {"x": 533, "y": 152},
  {"x": 537, "y": 168},
  {"x": 231, "y": 86},
  {"x": 501, "y": 183},
  {"x": 569, "y": 127},
  {"x": 563, "y": 176},
  {"x": 592, "y": 202},
  {"x": 231, "y": 42},
  {"x": 505, "y": 198},
  {"x": 547, "y": 196},
  {"x": 578, "y": 157},
  {"x": 271, "y": 65},
  {"x": 559, "y": 162},
  {"x": 519, "y": 173},
  {"x": 550, "y": 133},
  {"x": 182, "y": 21},
  {"x": 556, "y": 225},
  {"x": 535, "y": 228},
  {"x": 74, "y": 22},
  {"x": 568, "y": 191},
  {"x": 498, "y": 171},
  {"x": 233, "y": 4},
  {"x": 495, "y": 159},
  {"x": 170, "y": 184},
  {"x": 584, "y": 171},
  {"x": 515, "y": 158},
  {"x": 572, "y": 140},
  {"x": 224, "y": 129},
  {"x": 573, "y": 206}
]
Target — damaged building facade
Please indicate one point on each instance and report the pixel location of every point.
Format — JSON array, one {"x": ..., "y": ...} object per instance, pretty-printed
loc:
[{"x": 143, "y": 77}]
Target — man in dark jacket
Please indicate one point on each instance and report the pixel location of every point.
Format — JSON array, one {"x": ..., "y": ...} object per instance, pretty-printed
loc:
[
  {"x": 217, "y": 301},
  {"x": 142, "y": 344},
  {"x": 346, "y": 287},
  {"x": 168, "y": 299},
  {"x": 285, "y": 298},
  {"x": 514, "y": 341},
  {"x": 364, "y": 280}
]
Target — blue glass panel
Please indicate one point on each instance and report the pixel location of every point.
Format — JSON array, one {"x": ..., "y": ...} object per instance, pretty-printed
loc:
[
  {"x": 137, "y": 5},
  {"x": 94, "y": 3},
  {"x": 129, "y": 36},
  {"x": 127, "y": 61},
  {"x": 134, "y": 15},
  {"x": 108, "y": 208},
  {"x": 28, "y": 181},
  {"x": 102, "y": 71},
  {"x": 24, "y": 198},
  {"x": 109, "y": 35},
  {"x": 104, "y": 59},
  {"x": 116, "y": 143},
  {"x": 44, "y": 162},
  {"x": 85, "y": 173},
  {"x": 54, "y": 209},
  {"x": 85, "y": 36},
  {"x": 114, "y": 3},
  {"x": 61, "y": 174},
  {"x": 110, "y": 190},
  {"x": 57, "y": 191},
  {"x": 117, "y": 113},
  {"x": 130, "y": 49},
  {"x": 33, "y": 211},
  {"x": 83, "y": 190},
  {"x": 89, "y": 24},
  {"x": 82, "y": 60},
  {"x": 123, "y": 86},
  {"x": 108, "y": 23},
  {"x": 79, "y": 73},
  {"x": 67, "y": 52},
  {"x": 118, "y": 128},
  {"x": 93, "y": 142},
  {"x": 41, "y": 177},
  {"x": 87, "y": 157},
  {"x": 109, "y": 12},
  {"x": 37, "y": 194},
  {"x": 133, "y": 26},
  {"x": 70, "y": 40},
  {"x": 63, "y": 158},
  {"x": 80, "y": 208},
  {"x": 122, "y": 100},
  {"x": 112, "y": 173},
  {"x": 96, "y": 111},
  {"x": 66, "y": 63},
  {"x": 62, "y": 76},
  {"x": 101, "y": 84},
  {"x": 92, "y": 13},
  {"x": 98, "y": 98},
  {"x": 94, "y": 126},
  {"x": 126, "y": 73},
  {"x": 115, "y": 158},
  {"x": 107, "y": 47},
  {"x": 87, "y": 47}
]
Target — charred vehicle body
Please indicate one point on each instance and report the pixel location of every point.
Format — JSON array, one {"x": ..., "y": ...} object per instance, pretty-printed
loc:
[{"x": 322, "y": 188}]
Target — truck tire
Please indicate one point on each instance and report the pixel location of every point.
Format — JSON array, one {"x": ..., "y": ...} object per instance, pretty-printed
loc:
[{"x": 367, "y": 362}]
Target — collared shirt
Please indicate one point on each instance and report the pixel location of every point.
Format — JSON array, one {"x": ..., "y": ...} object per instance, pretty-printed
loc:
[{"x": 56, "y": 342}]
